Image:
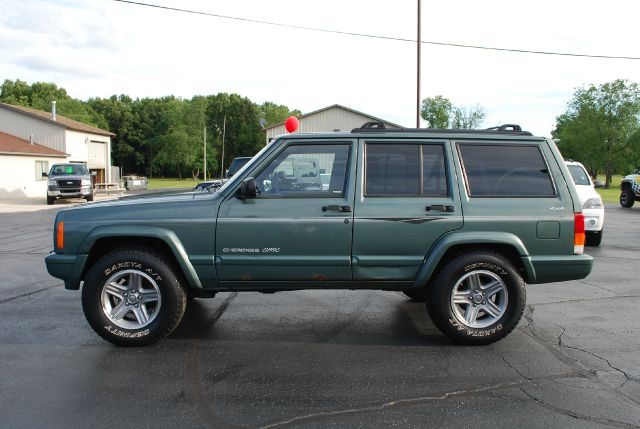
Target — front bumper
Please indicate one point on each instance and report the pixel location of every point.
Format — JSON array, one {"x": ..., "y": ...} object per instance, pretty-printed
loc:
[
  {"x": 66, "y": 267},
  {"x": 70, "y": 193}
]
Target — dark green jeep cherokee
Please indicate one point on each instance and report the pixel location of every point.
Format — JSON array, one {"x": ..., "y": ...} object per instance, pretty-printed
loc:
[{"x": 459, "y": 219}]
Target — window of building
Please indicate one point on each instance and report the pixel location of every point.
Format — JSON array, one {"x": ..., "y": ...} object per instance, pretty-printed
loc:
[
  {"x": 311, "y": 170},
  {"x": 41, "y": 167},
  {"x": 501, "y": 170},
  {"x": 405, "y": 170}
]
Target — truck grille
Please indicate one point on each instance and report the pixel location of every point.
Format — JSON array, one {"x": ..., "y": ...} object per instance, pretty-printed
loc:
[{"x": 68, "y": 184}]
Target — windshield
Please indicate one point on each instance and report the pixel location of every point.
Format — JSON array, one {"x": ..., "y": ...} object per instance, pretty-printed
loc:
[
  {"x": 580, "y": 177},
  {"x": 247, "y": 165},
  {"x": 68, "y": 170}
]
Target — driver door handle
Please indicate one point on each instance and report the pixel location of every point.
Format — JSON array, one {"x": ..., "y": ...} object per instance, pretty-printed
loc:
[
  {"x": 336, "y": 208},
  {"x": 440, "y": 208}
]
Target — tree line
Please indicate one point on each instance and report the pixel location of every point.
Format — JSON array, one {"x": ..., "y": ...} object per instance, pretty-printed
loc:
[
  {"x": 162, "y": 136},
  {"x": 165, "y": 136}
]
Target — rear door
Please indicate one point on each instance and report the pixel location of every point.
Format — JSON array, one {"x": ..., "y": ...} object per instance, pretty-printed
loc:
[{"x": 406, "y": 200}]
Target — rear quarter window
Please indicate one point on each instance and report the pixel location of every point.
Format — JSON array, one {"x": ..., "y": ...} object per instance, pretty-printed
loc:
[{"x": 504, "y": 170}]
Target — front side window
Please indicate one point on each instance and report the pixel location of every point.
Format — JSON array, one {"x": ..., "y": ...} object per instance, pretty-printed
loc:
[
  {"x": 41, "y": 167},
  {"x": 309, "y": 169},
  {"x": 405, "y": 170},
  {"x": 503, "y": 170}
]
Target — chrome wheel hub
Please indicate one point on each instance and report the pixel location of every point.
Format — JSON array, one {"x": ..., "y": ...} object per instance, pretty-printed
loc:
[
  {"x": 479, "y": 299},
  {"x": 130, "y": 299}
]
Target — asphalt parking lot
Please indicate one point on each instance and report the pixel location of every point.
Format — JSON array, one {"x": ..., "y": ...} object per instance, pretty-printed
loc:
[{"x": 320, "y": 358}]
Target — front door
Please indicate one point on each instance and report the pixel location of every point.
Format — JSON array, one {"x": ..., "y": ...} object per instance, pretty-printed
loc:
[
  {"x": 406, "y": 200},
  {"x": 299, "y": 228}
]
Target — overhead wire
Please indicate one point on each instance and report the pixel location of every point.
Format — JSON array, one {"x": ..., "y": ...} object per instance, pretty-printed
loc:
[{"x": 373, "y": 36}]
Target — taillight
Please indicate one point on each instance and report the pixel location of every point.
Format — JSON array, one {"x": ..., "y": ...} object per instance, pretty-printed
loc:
[
  {"x": 578, "y": 233},
  {"x": 60, "y": 235}
]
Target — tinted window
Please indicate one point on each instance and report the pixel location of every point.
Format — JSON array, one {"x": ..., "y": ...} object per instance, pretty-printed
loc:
[
  {"x": 505, "y": 170},
  {"x": 396, "y": 170},
  {"x": 306, "y": 169},
  {"x": 580, "y": 177}
]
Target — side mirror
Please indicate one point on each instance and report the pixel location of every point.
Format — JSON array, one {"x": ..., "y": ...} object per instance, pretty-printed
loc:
[
  {"x": 226, "y": 173},
  {"x": 45, "y": 174},
  {"x": 247, "y": 189},
  {"x": 598, "y": 184}
]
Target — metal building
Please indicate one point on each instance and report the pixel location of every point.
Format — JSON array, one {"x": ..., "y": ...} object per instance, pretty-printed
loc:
[{"x": 332, "y": 118}]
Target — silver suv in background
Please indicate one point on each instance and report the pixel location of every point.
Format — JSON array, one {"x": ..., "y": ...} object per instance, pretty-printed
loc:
[{"x": 69, "y": 180}]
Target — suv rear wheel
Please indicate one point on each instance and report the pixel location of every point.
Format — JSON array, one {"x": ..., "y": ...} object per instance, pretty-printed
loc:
[
  {"x": 477, "y": 298},
  {"x": 131, "y": 297}
]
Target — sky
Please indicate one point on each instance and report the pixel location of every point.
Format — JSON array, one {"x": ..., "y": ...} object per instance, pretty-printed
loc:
[{"x": 97, "y": 48}]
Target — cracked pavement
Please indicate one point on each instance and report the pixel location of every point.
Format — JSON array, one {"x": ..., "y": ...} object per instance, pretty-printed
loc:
[{"x": 321, "y": 358}]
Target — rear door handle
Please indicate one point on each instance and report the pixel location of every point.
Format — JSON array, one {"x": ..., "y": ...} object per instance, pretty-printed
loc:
[
  {"x": 336, "y": 208},
  {"x": 440, "y": 208}
]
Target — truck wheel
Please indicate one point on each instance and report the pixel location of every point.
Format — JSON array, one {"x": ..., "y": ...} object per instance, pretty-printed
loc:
[
  {"x": 594, "y": 238},
  {"x": 415, "y": 294},
  {"x": 132, "y": 297},
  {"x": 477, "y": 298},
  {"x": 50, "y": 200},
  {"x": 627, "y": 198},
  {"x": 89, "y": 198}
]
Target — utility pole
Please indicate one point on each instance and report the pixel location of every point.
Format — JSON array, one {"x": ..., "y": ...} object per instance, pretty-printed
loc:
[
  {"x": 224, "y": 130},
  {"x": 205, "y": 153},
  {"x": 418, "y": 83}
]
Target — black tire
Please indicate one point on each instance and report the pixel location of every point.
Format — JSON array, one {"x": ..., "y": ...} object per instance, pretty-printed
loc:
[
  {"x": 155, "y": 274},
  {"x": 627, "y": 198},
  {"x": 89, "y": 198},
  {"x": 458, "y": 274},
  {"x": 594, "y": 238},
  {"x": 50, "y": 200},
  {"x": 417, "y": 295}
]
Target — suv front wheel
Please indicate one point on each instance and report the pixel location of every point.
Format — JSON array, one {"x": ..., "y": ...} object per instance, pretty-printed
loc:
[
  {"x": 477, "y": 298},
  {"x": 132, "y": 297}
]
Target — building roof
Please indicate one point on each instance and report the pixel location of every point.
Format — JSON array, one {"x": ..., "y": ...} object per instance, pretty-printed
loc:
[
  {"x": 60, "y": 120},
  {"x": 339, "y": 106},
  {"x": 12, "y": 145}
]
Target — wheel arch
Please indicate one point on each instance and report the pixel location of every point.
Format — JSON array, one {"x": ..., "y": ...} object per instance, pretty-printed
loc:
[
  {"x": 450, "y": 246},
  {"x": 104, "y": 239}
]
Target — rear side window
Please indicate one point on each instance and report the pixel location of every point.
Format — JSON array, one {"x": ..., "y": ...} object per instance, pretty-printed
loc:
[
  {"x": 405, "y": 170},
  {"x": 505, "y": 171}
]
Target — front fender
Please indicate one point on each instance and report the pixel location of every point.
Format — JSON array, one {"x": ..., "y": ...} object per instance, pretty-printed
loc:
[
  {"x": 476, "y": 238},
  {"x": 165, "y": 235}
]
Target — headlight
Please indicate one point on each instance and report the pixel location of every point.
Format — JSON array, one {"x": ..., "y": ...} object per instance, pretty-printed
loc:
[
  {"x": 86, "y": 182},
  {"x": 51, "y": 183},
  {"x": 593, "y": 203}
]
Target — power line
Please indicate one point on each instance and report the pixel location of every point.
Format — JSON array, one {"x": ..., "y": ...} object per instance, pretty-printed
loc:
[{"x": 374, "y": 36}]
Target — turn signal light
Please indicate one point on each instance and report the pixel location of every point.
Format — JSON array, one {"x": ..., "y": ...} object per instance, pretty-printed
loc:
[
  {"x": 578, "y": 233},
  {"x": 60, "y": 235}
]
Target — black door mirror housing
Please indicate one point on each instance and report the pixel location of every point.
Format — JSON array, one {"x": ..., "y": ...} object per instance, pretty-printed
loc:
[
  {"x": 247, "y": 189},
  {"x": 45, "y": 174}
]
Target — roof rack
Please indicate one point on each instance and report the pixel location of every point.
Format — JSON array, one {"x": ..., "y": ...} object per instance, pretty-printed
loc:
[{"x": 511, "y": 129}]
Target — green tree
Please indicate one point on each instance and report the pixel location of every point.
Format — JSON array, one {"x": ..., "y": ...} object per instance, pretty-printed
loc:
[
  {"x": 600, "y": 126},
  {"x": 468, "y": 117},
  {"x": 274, "y": 113},
  {"x": 243, "y": 135},
  {"x": 437, "y": 111}
]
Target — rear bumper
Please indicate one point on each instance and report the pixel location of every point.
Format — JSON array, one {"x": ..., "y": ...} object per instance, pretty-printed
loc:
[
  {"x": 547, "y": 269},
  {"x": 66, "y": 267}
]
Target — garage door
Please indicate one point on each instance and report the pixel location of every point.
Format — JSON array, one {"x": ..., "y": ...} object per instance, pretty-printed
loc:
[{"x": 97, "y": 155}]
